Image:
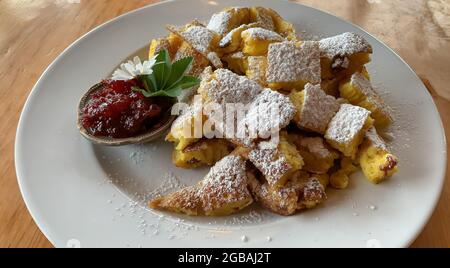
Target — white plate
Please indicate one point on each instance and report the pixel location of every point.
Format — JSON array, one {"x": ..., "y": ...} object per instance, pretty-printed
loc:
[{"x": 64, "y": 178}]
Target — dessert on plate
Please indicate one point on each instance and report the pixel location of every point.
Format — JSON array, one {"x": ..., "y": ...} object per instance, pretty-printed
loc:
[
  {"x": 330, "y": 132},
  {"x": 307, "y": 118}
]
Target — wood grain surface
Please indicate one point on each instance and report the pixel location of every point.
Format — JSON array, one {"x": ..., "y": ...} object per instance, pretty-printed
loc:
[{"x": 34, "y": 32}]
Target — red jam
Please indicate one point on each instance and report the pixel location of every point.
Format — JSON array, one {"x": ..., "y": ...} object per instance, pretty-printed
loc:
[{"x": 117, "y": 111}]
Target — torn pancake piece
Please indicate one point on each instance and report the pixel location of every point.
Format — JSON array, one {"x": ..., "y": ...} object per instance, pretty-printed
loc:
[
  {"x": 343, "y": 54},
  {"x": 301, "y": 192},
  {"x": 376, "y": 160},
  {"x": 225, "y": 21},
  {"x": 171, "y": 43},
  {"x": 200, "y": 38},
  {"x": 205, "y": 152},
  {"x": 268, "y": 113},
  {"x": 358, "y": 90},
  {"x": 255, "y": 41},
  {"x": 222, "y": 192},
  {"x": 231, "y": 42},
  {"x": 256, "y": 69},
  {"x": 315, "y": 108},
  {"x": 318, "y": 156},
  {"x": 291, "y": 65},
  {"x": 276, "y": 164},
  {"x": 224, "y": 86},
  {"x": 346, "y": 130},
  {"x": 199, "y": 63}
]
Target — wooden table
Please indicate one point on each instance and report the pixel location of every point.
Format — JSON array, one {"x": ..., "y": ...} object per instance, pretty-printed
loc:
[{"x": 33, "y": 33}]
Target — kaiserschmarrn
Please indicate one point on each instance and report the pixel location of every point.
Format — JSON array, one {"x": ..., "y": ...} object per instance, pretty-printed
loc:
[{"x": 326, "y": 127}]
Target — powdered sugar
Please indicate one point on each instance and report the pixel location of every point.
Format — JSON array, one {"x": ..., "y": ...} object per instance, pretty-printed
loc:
[
  {"x": 228, "y": 38},
  {"x": 235, "y": 33},
  {"x": 363, "y": 84},
  {"x": 256, "y": 69},
  {"x": 340, "y": 63},
  {"x": 317, "y": 110},
  {"x": 314, "y": 190},
  {"x": 291, "y": 62},
  {"x": 346, "y": 124},
  {"x": 344, "y": 45},
  {"x": 270, "y": 111},
  {"x": 215, "y": 59},
  {"x": 264, "y": 18},
  {"x": 267, "y": 110},
  {"x": 306, "y": 35},
  {"x": 253, "y": 217},
  {"x": 225, "y": 183},
  {"x": 220, "y": 22},
  {"x": 270, "y": 162},
  {"x": 199, "y": 38},
  {"x": 237, "y": 55},
  {"x": 375, "y": 139},
  {"x": 284, "y": 198},
  {"x": 315, "y": 146},
  {"x": 170, "y": 183},
  {"x": 258, "y": 33},
  {"x": 298, "y": 193},
  {"x": 228, "y": 87}
]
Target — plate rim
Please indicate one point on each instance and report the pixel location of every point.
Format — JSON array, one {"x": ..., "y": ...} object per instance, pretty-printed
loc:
[{"x": 46, "y": 230}]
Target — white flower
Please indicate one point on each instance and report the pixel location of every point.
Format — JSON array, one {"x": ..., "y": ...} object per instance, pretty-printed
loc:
[{"x": 131, "y": 69}]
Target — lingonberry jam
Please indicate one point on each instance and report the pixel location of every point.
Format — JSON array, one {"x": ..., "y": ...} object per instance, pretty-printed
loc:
[{"x": 117, "y": 111}]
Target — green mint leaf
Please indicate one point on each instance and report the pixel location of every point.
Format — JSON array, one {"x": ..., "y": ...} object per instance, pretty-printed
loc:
[
  {"x": 188, "y": 82},
  {"x": 159, "y": 93},
  {"x": 141, "y": 90},
  {"x": 147, "y": 83},
  {"x": 162, "y": 69},
  {"x": 163, "y": 56},
  {"x": 151, "y": 80},
  {"x": 179, "y": 69},
  {"x": 168, "y": 79},
  {"x": 173, "y": 92},
  {"x": 159, "y": 71}
]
